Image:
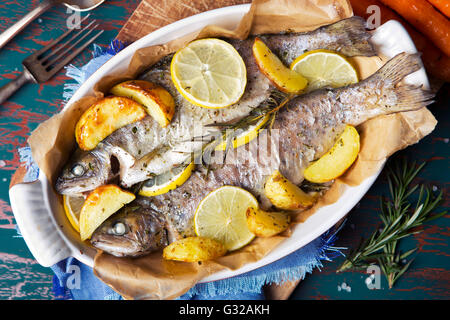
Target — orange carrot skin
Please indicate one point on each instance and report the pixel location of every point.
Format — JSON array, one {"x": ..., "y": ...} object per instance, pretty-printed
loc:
[
  {"x": 442, "y": 5},
  {"x": 360, "y": 9},
  {"x": 426, "y": 19},
  {"x": 436, "y": 63}
]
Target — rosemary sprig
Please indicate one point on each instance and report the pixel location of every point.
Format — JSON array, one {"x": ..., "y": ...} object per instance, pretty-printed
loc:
[
  {"x": 228, "y": 132},
  {"x": 400, "y": 220},
  {"x": 270, "y": 106}
]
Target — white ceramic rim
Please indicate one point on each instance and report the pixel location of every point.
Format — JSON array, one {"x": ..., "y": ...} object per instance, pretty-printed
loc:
[{"x": 325, "y": 218}]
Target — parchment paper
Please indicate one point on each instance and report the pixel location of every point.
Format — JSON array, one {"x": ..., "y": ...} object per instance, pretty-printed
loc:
[{"x": 151, "y": 277}]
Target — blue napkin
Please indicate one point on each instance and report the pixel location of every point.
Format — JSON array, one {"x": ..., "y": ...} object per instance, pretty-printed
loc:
[
  {"x": 74, "y": 280},
  {"x": 247, "y": 286}
]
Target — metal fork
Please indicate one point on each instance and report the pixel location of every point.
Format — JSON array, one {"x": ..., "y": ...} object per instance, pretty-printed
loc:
[{"x": 45, "y": 63}]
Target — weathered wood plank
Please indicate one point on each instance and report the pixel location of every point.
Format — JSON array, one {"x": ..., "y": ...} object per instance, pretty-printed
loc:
[{"x": 22, "y": 278}]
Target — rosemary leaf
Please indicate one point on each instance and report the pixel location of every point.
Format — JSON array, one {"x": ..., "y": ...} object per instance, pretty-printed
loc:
[
  {"x": 400, "y": 219},
  {"x": 228, "y": 132}
]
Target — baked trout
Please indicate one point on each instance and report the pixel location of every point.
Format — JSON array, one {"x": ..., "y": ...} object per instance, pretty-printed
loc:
[
  {"x": 144, "y": 149},
  {"x": 303, "y": 130}
]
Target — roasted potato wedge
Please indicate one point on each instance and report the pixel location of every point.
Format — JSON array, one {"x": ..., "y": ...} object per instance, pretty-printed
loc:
[
  {"x": 157, "y": 100},
  {"x": 267, "y": 224},
  {"x": 100, "y": 205},
  {"x": 285, "y": 195},
  {"x": 282, "y": 77},
  {"x": 194, "y": 249},
  {"x": 336, "y": 161},
  {"x": 104, "y": 117}
]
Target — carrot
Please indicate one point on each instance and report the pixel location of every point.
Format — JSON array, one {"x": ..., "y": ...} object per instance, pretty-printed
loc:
[
  {"x": 436, "y": 63},
  {"x": 360, "y": 9},
  {"x": 442, "y": 5},
  {"x": 426, "y": 19}
]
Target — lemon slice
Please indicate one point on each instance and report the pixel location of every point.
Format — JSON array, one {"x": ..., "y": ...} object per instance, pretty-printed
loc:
[
  {"x": 221, "y": 216},
  {"x": 165, "y": 182},
  {"x": 72, "y": 208},
  {"x": 209, "y": 73},
  {"x": 246, "y": 136},
  {"x": 324, "y": 68}
]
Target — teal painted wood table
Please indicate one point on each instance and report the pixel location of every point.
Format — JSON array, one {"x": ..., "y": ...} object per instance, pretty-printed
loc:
[{"x": 21, "y": 277}]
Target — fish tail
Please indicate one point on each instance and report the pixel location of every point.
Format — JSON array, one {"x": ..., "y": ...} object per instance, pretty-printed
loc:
[
  {"x": 408, "y": 97},
  {"x": 399, "y": 67},
  {"x": 353, "y": 37},
  {"x": 411, "y": 98}
]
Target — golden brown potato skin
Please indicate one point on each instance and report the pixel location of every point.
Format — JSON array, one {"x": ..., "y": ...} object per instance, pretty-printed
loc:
[
  {"x": 104, "y": 117},
  {"x": 336, "y": 161},
  {"x": 100, "y": 205},
  {"x": 267, "y": 224},
  {"x": 271, "y": 66},
  {"x": 194, "y": 249},
  {"x": 285, "y": 195},
  {"x": 157, "y": 100}
]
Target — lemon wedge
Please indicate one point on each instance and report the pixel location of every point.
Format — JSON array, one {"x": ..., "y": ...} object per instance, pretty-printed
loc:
[
  {"x": 209, "y": 73},
  {"x": 72, "y": 208},
  {"x": 246, "y": 136},
  {"x": 221, "y": 216},
  {"x": 324, "y": 68},
  {"x": 165, "y": 182}
]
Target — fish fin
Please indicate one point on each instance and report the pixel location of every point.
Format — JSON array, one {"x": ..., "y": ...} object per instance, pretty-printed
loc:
[
  {"x": 409, "y": 97},
  {"x": 353, "y": 37}
]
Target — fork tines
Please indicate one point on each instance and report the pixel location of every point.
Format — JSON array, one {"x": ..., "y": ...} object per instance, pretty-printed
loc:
[{"x": 45, "y": 63}]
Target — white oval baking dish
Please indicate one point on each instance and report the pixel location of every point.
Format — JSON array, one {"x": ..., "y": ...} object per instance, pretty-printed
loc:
[{"x": 41, "y": 217}]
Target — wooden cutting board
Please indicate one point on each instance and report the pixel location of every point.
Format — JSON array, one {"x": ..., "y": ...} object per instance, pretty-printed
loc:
[{"x": 154, "y": 14}]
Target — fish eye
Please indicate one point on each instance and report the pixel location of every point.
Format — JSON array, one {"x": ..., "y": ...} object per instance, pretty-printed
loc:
[
  {"x": 77, "y": 170},
  {"x": 150, "y": 182},
  {"x": 119, "y": 229}
]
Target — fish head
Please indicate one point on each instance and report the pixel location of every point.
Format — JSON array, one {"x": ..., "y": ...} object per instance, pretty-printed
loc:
[
  {"x": 133, "y": 231},
  {"x": 85, "y": 171}
]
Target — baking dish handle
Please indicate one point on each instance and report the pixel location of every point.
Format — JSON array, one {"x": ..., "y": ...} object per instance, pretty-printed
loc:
[{"x": 36, "y": 224}]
